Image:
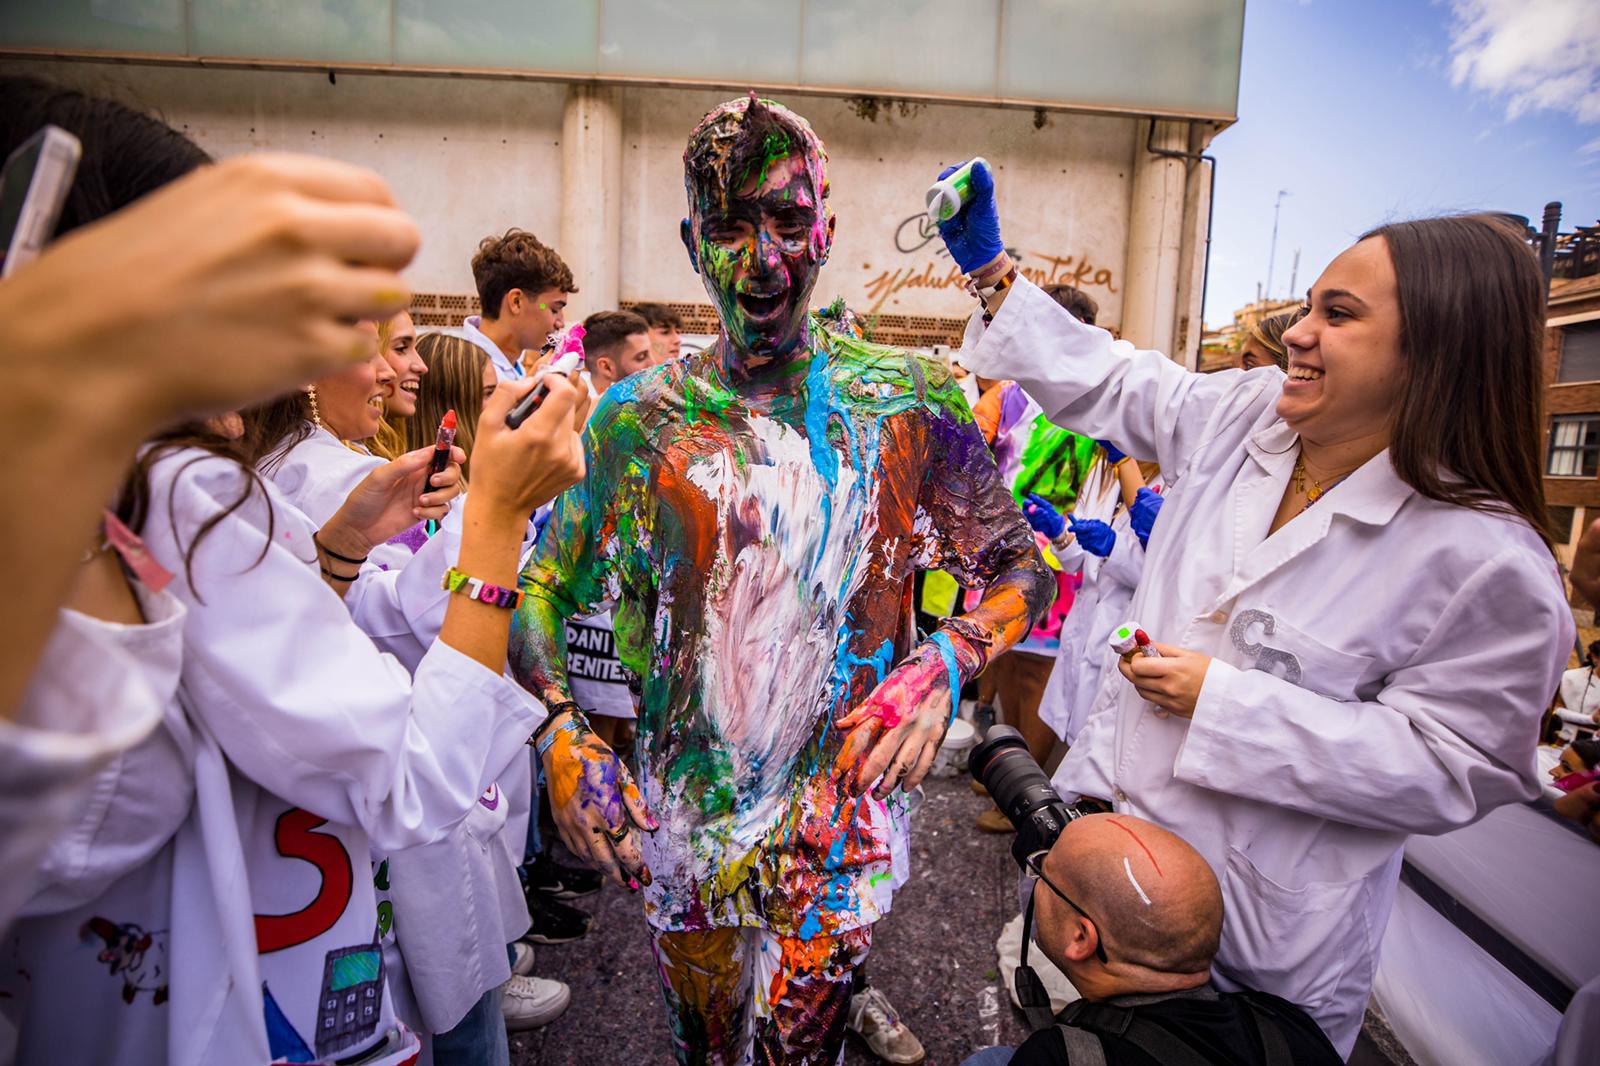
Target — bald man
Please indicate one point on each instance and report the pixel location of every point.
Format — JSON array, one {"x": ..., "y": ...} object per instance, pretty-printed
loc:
[{"x": 1132, "y": 915}]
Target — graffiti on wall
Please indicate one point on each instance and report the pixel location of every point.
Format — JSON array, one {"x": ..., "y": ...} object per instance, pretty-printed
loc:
[{"x": 916, "y": 237}]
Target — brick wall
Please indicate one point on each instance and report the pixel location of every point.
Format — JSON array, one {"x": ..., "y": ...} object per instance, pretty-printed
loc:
[{"x": 905, "y": 331}]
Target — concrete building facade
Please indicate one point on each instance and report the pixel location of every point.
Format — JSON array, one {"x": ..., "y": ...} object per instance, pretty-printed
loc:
[{"x": 1115, "y": 203}]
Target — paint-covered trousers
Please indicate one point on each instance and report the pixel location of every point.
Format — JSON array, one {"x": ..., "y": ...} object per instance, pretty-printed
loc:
[{"x": 746, "y": 997}]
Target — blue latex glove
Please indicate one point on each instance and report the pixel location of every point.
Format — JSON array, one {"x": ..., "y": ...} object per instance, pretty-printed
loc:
[
  {"x": 1142, "y": 515},
  {"x": 1096, "y": 537},
  {"x": 973, "y": 235},
  {"x": 1043, "y": 517},
  {"x": 1113, "y": 453}
]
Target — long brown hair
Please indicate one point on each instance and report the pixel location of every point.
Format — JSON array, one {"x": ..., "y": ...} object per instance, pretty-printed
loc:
[
  {"x": 454, "y": 381},
  {"x": 1470, "y": 416},
  {"x": 274, "y": 427}
]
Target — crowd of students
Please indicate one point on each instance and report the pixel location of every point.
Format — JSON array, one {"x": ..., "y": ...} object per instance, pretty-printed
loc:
[{"x": 262, "y": 750}]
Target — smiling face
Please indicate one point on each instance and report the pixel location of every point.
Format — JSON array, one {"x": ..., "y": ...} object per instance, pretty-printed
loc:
[
  {"x": 350, "y": 402},
  {"x": 760, "y": 229},
  {"x": 408, "y": 367},
  {"x": 1345, "y": 368}
]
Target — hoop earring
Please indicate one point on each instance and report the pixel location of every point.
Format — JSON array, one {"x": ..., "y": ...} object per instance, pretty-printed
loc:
[{"x": 316, "y": 415}]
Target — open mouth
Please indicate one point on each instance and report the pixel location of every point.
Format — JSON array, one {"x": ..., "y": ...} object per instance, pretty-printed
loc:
[
  {"x": 1305, "y": 373},
  {"x": 410, "y": 388},
  {"x": 762, "y": 307},
  {"x": 376, "y": 401}
]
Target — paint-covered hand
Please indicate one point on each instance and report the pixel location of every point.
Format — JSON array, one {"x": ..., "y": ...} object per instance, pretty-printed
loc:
[
  {"x": 1096, "y": 537},
  {"x": 1113, "y": 453},
  {"x": 973, "y": 235},
  {"x": 1142, "y": 515},
  {"x": 1043, "y": 516},
  {"x": 1172, "y": 683},
  {"x": 393, "y": 498},
  {"x": 896, "y": 731},
  {"x": 596, "y": 805}
]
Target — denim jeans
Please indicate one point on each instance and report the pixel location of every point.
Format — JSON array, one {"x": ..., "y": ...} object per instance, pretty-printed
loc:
[
  {"x": 479, "y": 1039},
  {"x": 990, "y": 1056}
]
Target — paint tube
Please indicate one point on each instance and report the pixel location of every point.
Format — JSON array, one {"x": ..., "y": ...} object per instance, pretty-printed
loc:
[
  {"x": 948, "y": 195},
  {"x": 1122, "y": 641},
  {"x": 569, "y": 356}
]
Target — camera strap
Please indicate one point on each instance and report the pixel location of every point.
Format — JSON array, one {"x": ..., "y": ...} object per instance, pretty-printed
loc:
[{"x": 1031, "y": 994}]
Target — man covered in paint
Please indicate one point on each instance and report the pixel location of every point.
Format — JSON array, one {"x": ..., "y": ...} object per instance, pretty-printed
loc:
[{"x": 754, "y": 512}]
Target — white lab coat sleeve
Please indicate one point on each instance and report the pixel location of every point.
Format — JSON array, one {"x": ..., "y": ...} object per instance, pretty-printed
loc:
[
  {"x": 1086, "y": 768},
  {"x": 1072, "y": 557},
  {"x": 86, "y": 704},
  {"x": 402, "y": 607},
  {"x": 1090, "y": 383},
  {"x": 1450, "y": 736},
  {"x": 298, "y": 697},
  {"x": 1125, "y": 564}
]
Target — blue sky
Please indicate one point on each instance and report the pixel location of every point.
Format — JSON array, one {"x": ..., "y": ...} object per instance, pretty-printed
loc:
[{"x": 1370, "y": 110}]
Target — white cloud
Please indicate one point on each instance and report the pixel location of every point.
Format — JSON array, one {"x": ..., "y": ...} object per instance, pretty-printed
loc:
[
  {"x": 1537, "y": 55},
  {"x": 1592, "y": 148}
]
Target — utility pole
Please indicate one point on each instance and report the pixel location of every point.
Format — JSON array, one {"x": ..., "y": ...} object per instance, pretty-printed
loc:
[
  {"x": 1294, "y": 274},
  {"x": 1273, "y": 255}
]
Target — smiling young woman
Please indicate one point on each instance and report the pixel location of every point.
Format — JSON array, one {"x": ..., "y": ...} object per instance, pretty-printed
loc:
[{"x": 1362, "y": 617}]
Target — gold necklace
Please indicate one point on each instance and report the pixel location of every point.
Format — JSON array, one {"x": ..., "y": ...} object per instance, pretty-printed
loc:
[{"x": 1312, "y": 492}]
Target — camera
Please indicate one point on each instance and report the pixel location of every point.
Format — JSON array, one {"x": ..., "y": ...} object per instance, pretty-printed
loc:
[{"x": 1021, "y": 790}]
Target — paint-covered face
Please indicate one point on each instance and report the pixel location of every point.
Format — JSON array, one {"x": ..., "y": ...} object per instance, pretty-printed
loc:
[{"x": 759, "y": 253}]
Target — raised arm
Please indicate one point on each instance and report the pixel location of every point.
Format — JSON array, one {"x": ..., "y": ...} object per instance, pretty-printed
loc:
[{"x": 1083, "y": 378}]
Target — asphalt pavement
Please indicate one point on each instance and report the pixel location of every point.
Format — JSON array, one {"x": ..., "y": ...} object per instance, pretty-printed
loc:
[{"x": 934, "y": 955}]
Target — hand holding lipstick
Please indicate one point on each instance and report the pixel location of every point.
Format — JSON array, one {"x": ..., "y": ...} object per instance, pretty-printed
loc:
[{"x": 1170, "y": 679}]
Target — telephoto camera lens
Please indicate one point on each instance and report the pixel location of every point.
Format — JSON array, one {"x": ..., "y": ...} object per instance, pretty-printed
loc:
[{"x": 1020, "y": 789}]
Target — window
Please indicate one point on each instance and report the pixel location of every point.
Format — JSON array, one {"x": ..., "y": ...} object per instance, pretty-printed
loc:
[
  {"x": 1580, "y": 352},
  {"x": 1574, "y": 446}
]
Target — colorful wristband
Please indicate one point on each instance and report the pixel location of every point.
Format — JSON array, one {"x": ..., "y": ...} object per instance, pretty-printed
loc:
[
  {"x": 574, "y": 724},
  {"x": 482, "y": 591}
]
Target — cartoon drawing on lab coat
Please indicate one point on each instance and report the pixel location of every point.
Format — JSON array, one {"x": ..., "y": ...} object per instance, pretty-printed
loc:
[{"x": 136, "y": 954}]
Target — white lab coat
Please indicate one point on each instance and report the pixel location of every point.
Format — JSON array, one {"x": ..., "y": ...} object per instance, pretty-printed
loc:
[
  {"x": 1100, "y": 606},
  {"x": 1380, "y": 664},
  {"x": 308, "y": 714},
  {"x": 457, "y": 901},
  {"x": 84, "y": 707}
]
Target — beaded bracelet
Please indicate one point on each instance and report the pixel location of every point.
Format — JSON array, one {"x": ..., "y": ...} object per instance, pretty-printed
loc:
[{"x": 476, "y": 589}]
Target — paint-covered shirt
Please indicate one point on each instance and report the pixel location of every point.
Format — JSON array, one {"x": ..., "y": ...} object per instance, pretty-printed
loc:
[{"x": 758, "y": 560}]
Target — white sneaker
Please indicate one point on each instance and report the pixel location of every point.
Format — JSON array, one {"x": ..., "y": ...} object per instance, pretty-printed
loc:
[
  {"x": 875, "y": 1020},
  {"x": 522, "y": 964},
  {"x": 529, "y": 1002}
]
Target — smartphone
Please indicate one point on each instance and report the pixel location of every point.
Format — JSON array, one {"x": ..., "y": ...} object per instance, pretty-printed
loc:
[{"x": 33, "y": 188}]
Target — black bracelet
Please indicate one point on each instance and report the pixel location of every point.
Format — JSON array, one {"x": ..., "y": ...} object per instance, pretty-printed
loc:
[
  {"x": 554, "y": 712},
  {"x": 336, "y": 577},
  {"x": 330, "y": 553}
]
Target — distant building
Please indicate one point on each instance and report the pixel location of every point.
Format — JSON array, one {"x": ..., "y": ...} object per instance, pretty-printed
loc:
[
  {"x": 1572, "y": 406},
  {"x": 1219, "y": 349}
]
